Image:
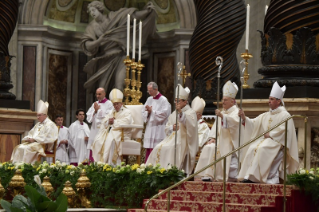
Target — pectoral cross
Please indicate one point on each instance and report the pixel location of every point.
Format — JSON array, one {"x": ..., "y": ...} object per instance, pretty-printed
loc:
[{"x": 184, "y": 75}]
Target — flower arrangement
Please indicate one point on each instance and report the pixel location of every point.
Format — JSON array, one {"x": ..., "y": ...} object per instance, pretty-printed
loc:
[
  {"x": 111, "y": 186},
  {"x": 307, "y": 181}
]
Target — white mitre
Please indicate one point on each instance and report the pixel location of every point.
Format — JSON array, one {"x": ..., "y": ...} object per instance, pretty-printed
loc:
[
  {"x": 183, "y": 92},
  {"x": 198, "y": 104},
  {"x": 42, "y": 107},
  {"x": 116, "y": 95},
  {"x": 230, "y": 89},
  {"x": 277, "y": 91}
]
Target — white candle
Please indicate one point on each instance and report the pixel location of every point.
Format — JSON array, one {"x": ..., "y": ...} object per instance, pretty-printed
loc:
[
  {"x": 247, "y": 25},
  {"x": 140, "y": 42},
  {"x": 134, "y": 38},
  {"x": 128, "y": 35},
  {"x": 266, "y": 8}
]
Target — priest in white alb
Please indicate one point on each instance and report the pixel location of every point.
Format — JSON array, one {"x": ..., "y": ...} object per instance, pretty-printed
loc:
[
  {"x": 40, "y": 138},
  {"x": 107, "y": 146},
  {"x": 198, "y": 105},
  {"x": 263, "y": 162},
  {"x": 62, "y": 153},
  {"x": 79, "y": 133},
  {"x": 227, "y": 139},
  {"x": 155, "y": 113},
  {"x": 96, "y": 114},
  {"x": 187, "y": 136}
]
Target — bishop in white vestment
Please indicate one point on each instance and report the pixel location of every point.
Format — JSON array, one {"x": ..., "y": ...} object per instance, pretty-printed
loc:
[
  {"x": 187, "y": 137},
  {"x": 227, "y": 139},
  {"x": 97, "y": 113},
  {"x": 198, "y": 105},
  {"x": 155, "y": 113},
  {"x": 42, "y": 135},
  {"x": 107, "y": 146},
  {"x": 264, "y": 158},
  {"x": 62, "y": 153},
  {"x": 79, "y": 135}
]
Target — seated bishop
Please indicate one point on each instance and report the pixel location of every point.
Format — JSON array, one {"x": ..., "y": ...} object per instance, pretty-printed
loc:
[
  {"x": 198, "y": 105},
  {"x": 263, "y": 162},
  {"x": 107, "y": 146},
  {"x": 40, "y": 138},
  {"x": 227, "y": 139},
  {"x": 186, "y": 132},
  {"x": 62, "y": 154}
]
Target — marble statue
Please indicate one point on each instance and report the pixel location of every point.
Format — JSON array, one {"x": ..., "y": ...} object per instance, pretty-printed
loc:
[{"x": 105, "y": 41}]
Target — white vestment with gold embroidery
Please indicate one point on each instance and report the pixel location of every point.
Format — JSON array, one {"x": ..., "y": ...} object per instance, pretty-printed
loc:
[
  {"x": 227, "y": 140},
  {"x": 107, "y": 146},
  {"x": 62, "y": 154},
  {"x": 261, "y": 153},
  {"x": 186, "y": 146},
  {"x": 44, "y": 133},
  {"x": 203, "y": 132}
]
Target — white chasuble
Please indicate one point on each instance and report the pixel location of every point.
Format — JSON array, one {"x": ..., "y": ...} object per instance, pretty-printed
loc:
[
  {"x": 78, "y": 151},
  {"x": 107, "y": 146},
  {"x": 96, "y": 118},
  {"x": 44, "y": 133},
  {"x": 62, "y": 154},
  {"x": 186, "y": 145},
  {"x": 156, "y": 121},
  {"x": 203, "y": 132},
  {"x": 227, "y": 140},
  {"x": 262, "y": 152}
]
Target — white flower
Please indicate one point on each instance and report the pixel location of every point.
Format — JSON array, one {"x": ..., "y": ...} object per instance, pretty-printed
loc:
[
  {"x": 183, "y": 170},
  {"x": 142, "y": 166},
  {"x": 44, "y": 170},
  {"x": 149, "y": 164},
  {"x": 311, "y": 177},
  {"x": 311, "y": 172},
  {"x": 72, "y": 173},
  {"x": 37, "y": 179},
  {"x": 302, "y": 171},
  {"x": 57, "y": 162},
  {"x": 18, "y": 165},
  {"x": 169, "y": 167},
  {"x": 99, "y": 163},
  {"x": 138, "y": 170},
  {"x": 73, "y": 167},
  {"x": 63, "y": 164},
  {"x": 158, "y": 165},
  {"x": 1, "y": 165}
]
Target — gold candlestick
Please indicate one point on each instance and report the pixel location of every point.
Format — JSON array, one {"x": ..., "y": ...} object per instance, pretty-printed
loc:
[
  {"x": 69, "y": 193},
  {"x": 127, "y": 80},
  {"x": 139, "y": 94},
  {"x": 82, "y": 186},
  {"x": 133, "y": 81},
  {"x": 246, "y": 56},
  {"x": 47, "y": 186},
  {"x": 17, "y": 183}
]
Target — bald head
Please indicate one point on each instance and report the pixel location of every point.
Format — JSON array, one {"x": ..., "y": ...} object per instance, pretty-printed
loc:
[{"x": 100, "y": 94}]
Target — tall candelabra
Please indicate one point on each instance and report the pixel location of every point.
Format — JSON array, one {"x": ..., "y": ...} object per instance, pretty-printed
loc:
[
  {"x": 134, "y": 92},
  {"x": 246, "y": 56}
]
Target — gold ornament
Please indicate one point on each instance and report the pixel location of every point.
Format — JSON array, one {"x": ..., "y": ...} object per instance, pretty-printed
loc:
[
  {"x": 47, "y": 185},
  {"x": 69, "y": 193},
  {"x": 17, "y": 183},
  {"x": 82, "y": 186},
  {"x": 2, "y": 191}
]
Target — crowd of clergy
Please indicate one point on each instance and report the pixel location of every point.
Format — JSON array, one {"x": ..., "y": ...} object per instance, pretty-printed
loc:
[{"x": 171, "y": 139}]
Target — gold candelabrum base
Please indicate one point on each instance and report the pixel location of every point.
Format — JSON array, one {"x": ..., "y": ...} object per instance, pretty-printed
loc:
[
  {"x": 82, "y": 187},
  {"x": 69, "y": 193},
  {"x": 2, "y": 191},
  {"x": 17, "y": 183},
  {"x": 47, "y": 186},
  {"x": 134, "y": 92},
  {"x": 246, "y": 56}
]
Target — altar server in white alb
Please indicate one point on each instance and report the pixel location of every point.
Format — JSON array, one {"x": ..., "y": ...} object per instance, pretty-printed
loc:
[
  {"x": 42, "y": 135},
  {"x": 228, "y": 132},
  {"x": 187, "y": 136},
  {"x": 155, "y": 113},
  {"x": 198, "y": 105},
  {"x": 96, "y": 114},
  {"x": 62, "y": 153},
  {"x": 264, "y": 159},
  {"x": 79, "y": 133},
  {"x": 107, "y": 146}
]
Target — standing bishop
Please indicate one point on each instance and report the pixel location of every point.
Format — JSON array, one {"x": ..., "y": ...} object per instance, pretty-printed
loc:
[
  {"x": 155, "y": 113},
  {"x": 227, "y": 137},
  {"x": 62, "y": 153},
  {"x": 96, "y": 114},
  {"x": 79, "y": 136},
  {"x": 187, "y": 136},
  {"x": 264, "y": 158},
  {"x": 107, "y": 146},
  {"x": 198, "y": 105},
  {"x": 40, "y": 138}
]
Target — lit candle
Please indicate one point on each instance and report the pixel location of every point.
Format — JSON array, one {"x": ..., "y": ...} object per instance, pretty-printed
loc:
[
  {"x": 134, "y": 38},
  {"x": 128, "y": 35},
  {"x": 247, "y": 26},
  {"x": 266, "y": 8},
  {"x": 140, "y": 42}
]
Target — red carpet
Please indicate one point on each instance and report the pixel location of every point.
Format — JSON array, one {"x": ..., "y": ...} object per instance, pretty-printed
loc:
[{"x": 240, "y": 197}]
